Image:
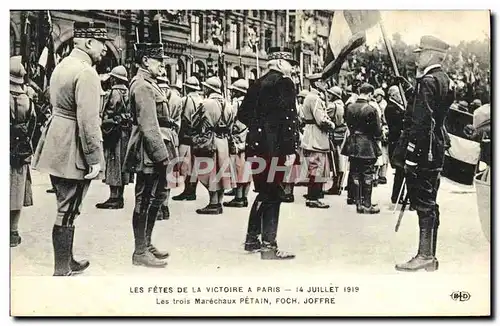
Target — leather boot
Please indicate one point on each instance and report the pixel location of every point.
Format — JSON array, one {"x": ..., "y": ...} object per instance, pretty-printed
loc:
[
  {"x": 111, "y": 203},
  {"x": 163, "y": 213},
  {"x": 270, "y": 251},
  {"x": 210, "y": 209},
  {"x": 61, "y": 241},
  {"x": 252, "y": 243},
  {"x": 236, "y": 202},
  {"x": 254, "y": 228},
  {"x": 367, "y": 207},
  {"x": 424, "y": 258},
  {"x": 231, "y": 192},
  {"x": 335, "y": 188},
  {"x": 142, "y": 256},
  {"x": 76, "y": 266},
  {"x": 15, "y": 239},
  {"x": 189, "y": 192},
  {"x": 356, "y": 191}
]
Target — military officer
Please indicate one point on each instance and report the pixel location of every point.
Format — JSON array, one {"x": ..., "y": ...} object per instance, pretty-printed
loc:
[
  {"x": 272, "y": 127},
  {"x": 425, "y": 141},
  {"x": 237, "y": 147},
  {"x": 22, "y": 126},
  {"x": 316, "y": 142},
  {"x": 216, "y": 118},
  {"x": 169, "y": 118},
  {"x": 147, "y": 153},
  {"x": 70, "y": 148},
  {"x": 335, "y": 110},
  {"x": 361, "y": 146},
  {"x": 190, "y": 104},
  {"x": 116, "y": 128}
]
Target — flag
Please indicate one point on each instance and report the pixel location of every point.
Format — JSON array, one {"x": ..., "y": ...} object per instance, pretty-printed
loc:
[
  {"x": 221, "y": 72},
  {"x": 347, "y": 32},
  {"x": 463, "y": 156},
  {"x": 48, "y": 58}
]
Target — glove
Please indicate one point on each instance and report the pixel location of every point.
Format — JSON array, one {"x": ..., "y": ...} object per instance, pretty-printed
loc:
[
  {"x": 410, "y": 170},
  {"x": 469, "y": 131},
  {"x": 290, "y": 159},
  {"x": 94, "y": 171}
]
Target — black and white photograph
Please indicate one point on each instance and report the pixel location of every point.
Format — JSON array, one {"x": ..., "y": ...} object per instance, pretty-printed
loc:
[{"x": 277, "y": 162}]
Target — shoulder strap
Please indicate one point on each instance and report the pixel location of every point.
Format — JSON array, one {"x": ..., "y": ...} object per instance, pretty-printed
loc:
[{"x": 13, "y": 116}]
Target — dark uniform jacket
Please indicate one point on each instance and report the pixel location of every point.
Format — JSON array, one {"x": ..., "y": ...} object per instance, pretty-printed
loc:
[
  {"x": 425, "y": 139},
  {"x": 394, "y": 115},
  {"x": 365, "y": 130},
  {"x": 269, "y": 111}
]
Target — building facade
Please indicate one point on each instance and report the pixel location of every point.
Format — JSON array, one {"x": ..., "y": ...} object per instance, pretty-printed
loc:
[{"x": 198, "y": 42}]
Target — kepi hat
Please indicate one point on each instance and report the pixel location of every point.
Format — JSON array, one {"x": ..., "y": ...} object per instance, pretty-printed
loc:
[
  {"x": 429, "y": 42},
  {"x": 91, "y": 29},
  {"x": 150, "y": 50},
  {"x": 279, "y": 52}
]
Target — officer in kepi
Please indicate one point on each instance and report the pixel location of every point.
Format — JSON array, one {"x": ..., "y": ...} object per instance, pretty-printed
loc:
[
  {"x": 272, "y": 127},
  {"x": 147, "y": 153},
  {"x": 423, "y": 145},
  {"x": 70, "y": 148}
]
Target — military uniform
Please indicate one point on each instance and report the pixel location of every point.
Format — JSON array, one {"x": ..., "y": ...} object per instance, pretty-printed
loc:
[
  {"x": 116, "y": 127},
  {"x": 169, "y": 118},
  {"x": 190, "y": 104},
  {"x": 316, "y": 146},
  {"x": 22, "y": 125},
  {"x": 147, "y": 156},
  {"x": 217, "y": 117},
  {"x": 421, "y": 149},
  {"x": 361, "y": 146},
  {"x": 237, "y": 150},
  {"x": 270, "y": 114},
  {"x": 335, "y": 110},
  {"x": 71, "y": 144}
]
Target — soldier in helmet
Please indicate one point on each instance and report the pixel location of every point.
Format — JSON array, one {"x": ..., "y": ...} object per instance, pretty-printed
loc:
[
  {"x": 215, "y": 121},
  {"x": 147, "y": 153},
  {"x": 422, "y": 147},
  {"x": 237, "y": 147},
  {"x": 190, "y": 104},
  {"x": 116, "y": 129},
  {"x": 70, "y": 148},
  {"x": 22, "y": 126},
  {"x": 335, "y": 110},
  {"x": 169, "y": 118},
  {"x": 382, "y": 161}
]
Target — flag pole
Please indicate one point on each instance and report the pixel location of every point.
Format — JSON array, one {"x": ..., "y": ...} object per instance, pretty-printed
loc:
[
  {"x": 257, "y": 58},
  {"x": 393, "y": 61}
]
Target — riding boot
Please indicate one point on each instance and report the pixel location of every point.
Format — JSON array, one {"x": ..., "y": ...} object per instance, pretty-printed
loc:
[
  {"x": 189, "y": 192},
  {"x": 61, "y": 241},
  {"x": 76, "y": 266},
  {"x": 367, "y": 207},
  {"x": 356, "y": 192},
  {"x": 424, "y": 258},
  {"x": 142, "y": 256}
]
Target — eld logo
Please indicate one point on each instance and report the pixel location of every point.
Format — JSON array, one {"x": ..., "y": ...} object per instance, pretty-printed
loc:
[{"x": 460, "y": 296}]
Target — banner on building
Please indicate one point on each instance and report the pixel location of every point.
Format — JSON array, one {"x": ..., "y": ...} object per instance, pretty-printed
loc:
[{"x": 347, "y": 32}]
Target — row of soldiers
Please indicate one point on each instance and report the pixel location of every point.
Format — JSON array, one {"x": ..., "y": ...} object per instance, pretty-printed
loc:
[{"x": 153, "y": 133}]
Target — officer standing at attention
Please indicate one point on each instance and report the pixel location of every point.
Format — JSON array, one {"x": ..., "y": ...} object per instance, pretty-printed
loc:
[
  {"x": 70, "y": 148},
  {"x": 147, "y": 155},
  {"x": 269, "y": 111},
  {"x": 361, "y": 146},
  {"x": 425, "y": 140}
]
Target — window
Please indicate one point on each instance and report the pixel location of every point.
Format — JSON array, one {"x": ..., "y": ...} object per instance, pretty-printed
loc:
[
  {"x": 234, "y": 36},
  {"x": 255, "y": 13},
  {"x": 268, "y": 39},
  {"x": 196, "y": 29}
]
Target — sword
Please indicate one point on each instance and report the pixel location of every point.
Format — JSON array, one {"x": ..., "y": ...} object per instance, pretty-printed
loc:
[
  {"x": 402, "y": 212},
  {"x": 399, "y": 196}
]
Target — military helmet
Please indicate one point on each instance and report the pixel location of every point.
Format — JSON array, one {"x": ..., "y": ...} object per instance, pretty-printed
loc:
[
  {"x": 193, "y": 83},
  {"x": 379, "y": 91},
  {"x": 240, "y": 85},
  {"x": 336, "y": 91},
  {"x": 119, "y": 72},
  {"x": 17, "y": 71},
  {"x": 213, "y": 83}
]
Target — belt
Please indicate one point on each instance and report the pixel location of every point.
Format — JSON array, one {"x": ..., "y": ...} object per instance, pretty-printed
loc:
[
  {"x": 310, "y": 122},
  {"x": 58, "y": 112}
]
